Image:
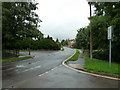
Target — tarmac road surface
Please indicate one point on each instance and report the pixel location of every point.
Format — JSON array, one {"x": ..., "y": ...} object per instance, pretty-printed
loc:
[{"x": 46, "y": 71}]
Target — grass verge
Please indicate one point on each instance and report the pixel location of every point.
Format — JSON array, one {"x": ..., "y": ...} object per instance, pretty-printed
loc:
[
  {"x": 62, "y": 49},
  {"x": 101, "y": 66},
  {"x": 15, "y": 59},
  {"x": 75, "y": 56}
]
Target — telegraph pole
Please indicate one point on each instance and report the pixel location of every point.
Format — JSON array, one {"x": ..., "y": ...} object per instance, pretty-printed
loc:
[{"x": 90, "y": 33}]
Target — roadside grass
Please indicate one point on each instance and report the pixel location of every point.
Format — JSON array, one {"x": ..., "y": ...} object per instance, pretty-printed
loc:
[
  {"x": 15, "y": 59},
  {"x": 75, "y": 56},
  {"x": 101, "y": 66}
]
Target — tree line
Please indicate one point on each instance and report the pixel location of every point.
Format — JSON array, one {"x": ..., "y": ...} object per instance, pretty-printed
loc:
[
  {"x": 20, "y": 28},
  {"x": 106, "y": 14}
]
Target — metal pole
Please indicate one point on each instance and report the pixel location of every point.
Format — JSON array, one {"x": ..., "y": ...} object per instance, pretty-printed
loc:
[
  {"x": 110, "y": 53},
  {"x": 90, "y": 8},
  {"x": 90, "y": 34}
]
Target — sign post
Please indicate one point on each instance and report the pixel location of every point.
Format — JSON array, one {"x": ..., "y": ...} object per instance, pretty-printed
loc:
[{"x": 110, "y": 38}]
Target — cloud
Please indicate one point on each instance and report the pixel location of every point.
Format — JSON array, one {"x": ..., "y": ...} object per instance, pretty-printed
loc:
[{"x": 62, "y": 18}]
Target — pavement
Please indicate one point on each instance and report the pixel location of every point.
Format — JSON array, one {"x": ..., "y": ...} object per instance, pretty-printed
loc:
[{"x": 79, "y": 63}]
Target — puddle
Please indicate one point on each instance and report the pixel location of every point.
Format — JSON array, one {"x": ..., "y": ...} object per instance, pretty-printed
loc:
[
  {"x": 19, "y": 66},
  {"x": 28, "y": 69},
  {"x": 32, "y": 68}
]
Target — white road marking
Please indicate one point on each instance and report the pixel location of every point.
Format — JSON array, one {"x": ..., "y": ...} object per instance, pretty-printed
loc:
[
  {"x": 18, "y": 66},
  {"x": 32, "y": 68},
  {"x": 49, "y": 71},
  {"x": 9, "y": 69}
]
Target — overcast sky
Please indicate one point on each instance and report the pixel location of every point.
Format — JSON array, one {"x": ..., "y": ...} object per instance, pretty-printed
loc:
[{"x": 62, "y": 18}]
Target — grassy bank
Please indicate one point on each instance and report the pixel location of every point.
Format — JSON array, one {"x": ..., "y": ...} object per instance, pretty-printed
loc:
[
  {"x": 15, "y": 59},
  {"x": 101, "y": 66},
  {"x": 75, "y": 56}
]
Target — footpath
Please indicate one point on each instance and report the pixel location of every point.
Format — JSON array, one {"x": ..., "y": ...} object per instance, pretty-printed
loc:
[{"x": 79, "y": 64}]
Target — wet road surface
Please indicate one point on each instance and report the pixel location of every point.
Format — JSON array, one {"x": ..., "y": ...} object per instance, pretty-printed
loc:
[
  {"x": 46, "y": 71},
  {"x": 62, "y": 77},
  {"x": 43, "y": 61}
]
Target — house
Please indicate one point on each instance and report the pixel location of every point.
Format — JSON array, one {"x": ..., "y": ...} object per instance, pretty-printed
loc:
[{"x": 71, "y": 42}]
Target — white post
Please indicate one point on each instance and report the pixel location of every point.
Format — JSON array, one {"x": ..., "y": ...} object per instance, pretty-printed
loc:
[
  {"x": 110, "y": 38},
  {"x": 110, "y": 53}
]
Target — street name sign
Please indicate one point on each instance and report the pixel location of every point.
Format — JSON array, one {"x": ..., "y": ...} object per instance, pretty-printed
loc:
[{"x": 109, "y": 32}]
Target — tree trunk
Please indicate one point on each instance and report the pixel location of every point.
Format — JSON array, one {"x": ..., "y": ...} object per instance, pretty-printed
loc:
[{"x": 29, "y": 51}]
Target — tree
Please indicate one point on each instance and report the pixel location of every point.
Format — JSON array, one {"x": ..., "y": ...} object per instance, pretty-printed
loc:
[
  {"x": 20, "y": 28},
  {"x": 82, "y": 38},
  {"x": 57, "y": 40},
  {"x": 19, "y": 21},
  {"x": 106, "y": 14},
  {"x": 99, "y": 29},
  {"x": 64, "y": 42}
]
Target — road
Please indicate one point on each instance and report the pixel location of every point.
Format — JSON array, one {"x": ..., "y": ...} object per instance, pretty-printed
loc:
[
  {"x": 26, "y": 69},
  {"x": 46, "y": 71}
]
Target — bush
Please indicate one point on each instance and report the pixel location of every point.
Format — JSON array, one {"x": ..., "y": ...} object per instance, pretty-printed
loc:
[
  {"x": 101, "y": 54},
  {"x": 104, "y": 55}
]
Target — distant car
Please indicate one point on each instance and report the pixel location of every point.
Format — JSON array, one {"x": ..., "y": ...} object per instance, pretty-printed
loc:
[{"x": 72, "y": 47}]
